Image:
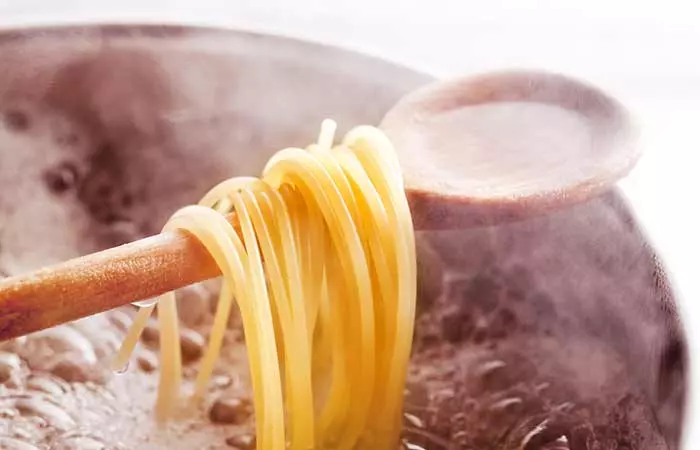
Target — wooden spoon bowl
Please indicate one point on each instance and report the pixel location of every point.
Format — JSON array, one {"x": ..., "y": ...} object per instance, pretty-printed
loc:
[{"x": 503, "y": 146}]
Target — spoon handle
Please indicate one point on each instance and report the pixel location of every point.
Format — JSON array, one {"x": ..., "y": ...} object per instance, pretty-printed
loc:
[{"x": 102, "y": 281}]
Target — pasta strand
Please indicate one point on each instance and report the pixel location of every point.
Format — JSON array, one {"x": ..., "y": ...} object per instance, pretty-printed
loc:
[{"x": 324, "y": 275}]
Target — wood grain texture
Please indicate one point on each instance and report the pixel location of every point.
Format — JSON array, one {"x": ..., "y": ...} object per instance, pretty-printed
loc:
[{"x": 102, "y": 281}]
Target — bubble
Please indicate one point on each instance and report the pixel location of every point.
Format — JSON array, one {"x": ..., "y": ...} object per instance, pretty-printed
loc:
[
  {"x": 146, "y": 303},
  {"x": 61, "y": 178},
  {"x": 16, "y": 120},
  {"x": 123, "y": 369},
  {"x": 56, "y": 416}
]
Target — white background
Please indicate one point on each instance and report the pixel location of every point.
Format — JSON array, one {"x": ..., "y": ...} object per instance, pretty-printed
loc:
[{"x": 646, "y": 53}]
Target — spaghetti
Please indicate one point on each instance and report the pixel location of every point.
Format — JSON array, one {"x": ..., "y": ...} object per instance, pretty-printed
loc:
[{"x": 325, "y": 279}]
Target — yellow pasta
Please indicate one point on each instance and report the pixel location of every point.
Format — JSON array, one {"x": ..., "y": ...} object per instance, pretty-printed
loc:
[{"x": 324, "y": 275}]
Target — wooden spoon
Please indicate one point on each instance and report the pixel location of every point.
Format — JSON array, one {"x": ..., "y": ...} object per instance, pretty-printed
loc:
[
  {"x": 504, "y": 146},
  {"x": 474, "y": 151}
]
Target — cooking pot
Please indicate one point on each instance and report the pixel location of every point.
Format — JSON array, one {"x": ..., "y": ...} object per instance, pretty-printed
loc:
[{"x": 559, "y": 331}]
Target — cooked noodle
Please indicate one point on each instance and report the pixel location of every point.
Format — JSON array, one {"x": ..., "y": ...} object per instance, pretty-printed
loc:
[{"x": 324, "y": 275}]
